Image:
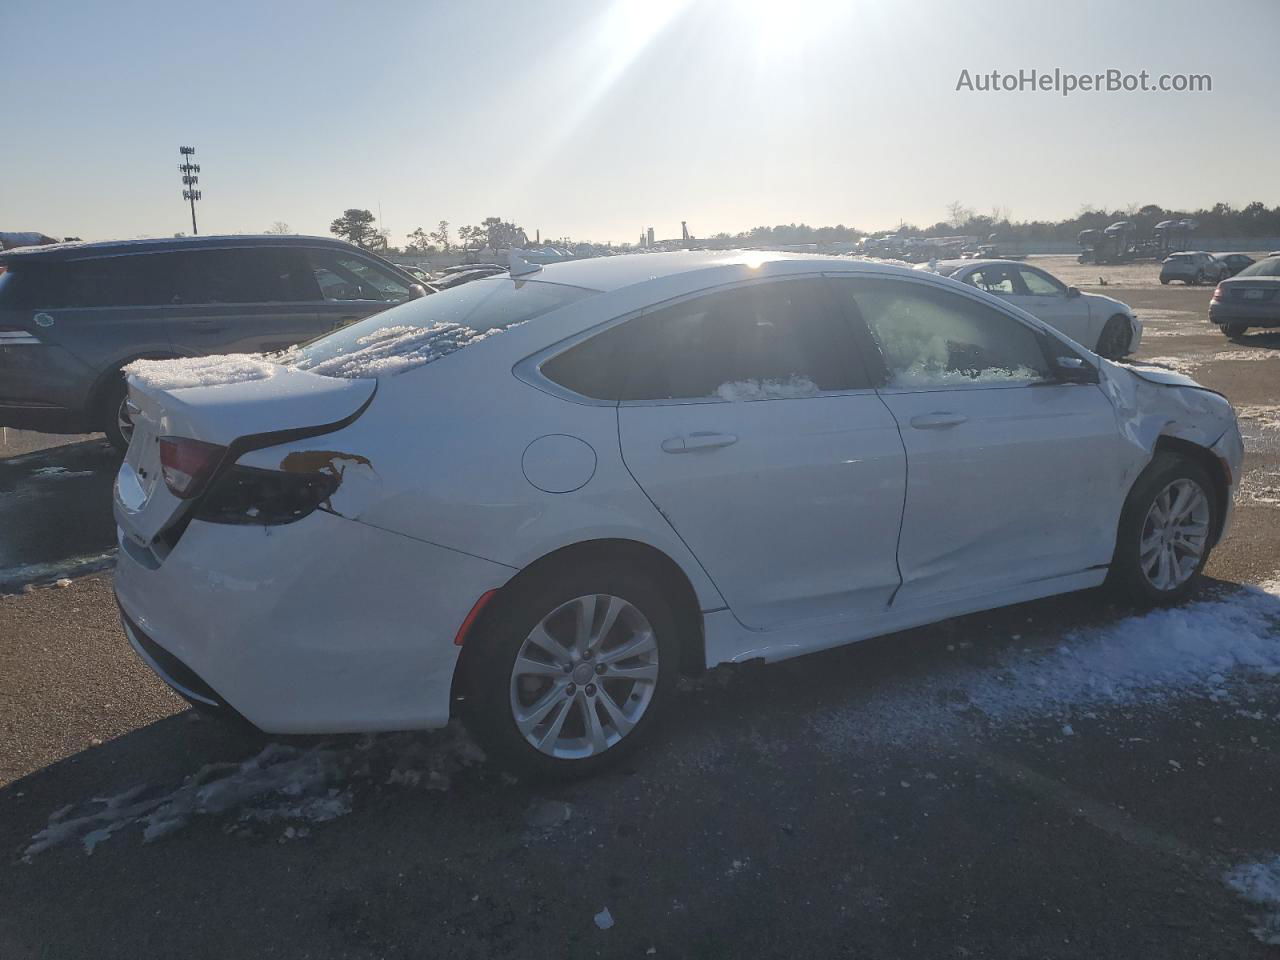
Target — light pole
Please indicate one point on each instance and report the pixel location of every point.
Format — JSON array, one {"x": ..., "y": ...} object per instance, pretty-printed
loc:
[{"x": 189, "y": 181}]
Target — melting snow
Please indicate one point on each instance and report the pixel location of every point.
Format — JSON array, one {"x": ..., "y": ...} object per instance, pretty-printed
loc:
[
  {"x": 1203, "y": 648},
  {"x": 1259, "y": 883},
  {"x": 767, "y": 389},
  {"x": 922, "y": 374},
  {"x": 1185, "y": 365},
  {"x": 201, "y": 371},
  {"x": 280, "y": 784},
  {"x": 395, "y": 349}
]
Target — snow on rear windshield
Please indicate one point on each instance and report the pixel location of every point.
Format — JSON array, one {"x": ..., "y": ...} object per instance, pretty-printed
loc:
[{"x": 417, "y": 332}]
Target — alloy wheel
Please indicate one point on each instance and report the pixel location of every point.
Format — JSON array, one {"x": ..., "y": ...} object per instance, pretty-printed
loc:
[
  {"x": 1174, "y": 535},
  {"x": 584, "y": 677}
]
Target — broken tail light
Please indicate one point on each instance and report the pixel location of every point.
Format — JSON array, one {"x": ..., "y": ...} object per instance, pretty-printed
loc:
[
  {"x": 258, "y": 497},
  {"x": 188, "y": 464}
]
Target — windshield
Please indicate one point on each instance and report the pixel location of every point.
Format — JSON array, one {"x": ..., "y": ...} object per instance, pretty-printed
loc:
[
  {"x": 426, "y": 329},
  {"x": 1263, "y": 268}
]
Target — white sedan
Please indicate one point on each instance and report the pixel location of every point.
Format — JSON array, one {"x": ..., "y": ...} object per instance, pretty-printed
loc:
[
  {"x": 536, "y": 499},
  {"x": 1105, "y": 325}
]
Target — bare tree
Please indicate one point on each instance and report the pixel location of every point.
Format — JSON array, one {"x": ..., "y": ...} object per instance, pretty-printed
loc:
[
  {"x": 441, "y": 235},
  {"x": 958, "y": 214},
  {"x": 280, "y": 227}
]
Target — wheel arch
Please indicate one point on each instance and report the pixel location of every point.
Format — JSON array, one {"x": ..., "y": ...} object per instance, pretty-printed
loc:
[
  {"x": 1207, "y": 460},
  {"x": 631, "y": 553},
  {"x": 107, "y": 377}
]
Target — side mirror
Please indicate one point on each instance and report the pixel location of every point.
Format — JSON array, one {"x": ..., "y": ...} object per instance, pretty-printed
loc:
[
  {"x": 418, "y": 290},
  {"x": 1072, "y": 292},
  {"x": 1074, "y": 370}
]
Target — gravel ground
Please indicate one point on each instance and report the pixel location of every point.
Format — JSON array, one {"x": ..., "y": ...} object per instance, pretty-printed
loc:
[{"x": 928, "y": 794}]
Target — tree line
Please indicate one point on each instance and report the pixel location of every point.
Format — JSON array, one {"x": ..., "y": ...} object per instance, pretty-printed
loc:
[{"x": 360, "y": 227}]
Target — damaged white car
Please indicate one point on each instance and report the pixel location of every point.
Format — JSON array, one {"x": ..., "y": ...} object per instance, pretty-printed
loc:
[{"x": 536, "y": 499}]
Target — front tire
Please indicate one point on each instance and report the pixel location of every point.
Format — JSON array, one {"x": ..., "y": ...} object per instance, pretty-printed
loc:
[
  {"x": 1200, "y": 278},
  {"x": 1233, "y": 330},
  {"x": 573, "y": 671},
  {"x": 1114, "y": 341},
  {"x": 1166, "y": 531}
]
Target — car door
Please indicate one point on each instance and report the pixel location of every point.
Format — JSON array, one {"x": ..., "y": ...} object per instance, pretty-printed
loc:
[
  {"x": 1047, "y": 299},
  {"x": 1013, "y": 476},
  {"x": 747, "y": 418},
  {"x": 241, "y": 300},
  {"x": 351, "y": 287}
]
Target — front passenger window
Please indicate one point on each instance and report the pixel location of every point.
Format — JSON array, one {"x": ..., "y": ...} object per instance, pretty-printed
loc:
[{"x": 936, "y": 339}]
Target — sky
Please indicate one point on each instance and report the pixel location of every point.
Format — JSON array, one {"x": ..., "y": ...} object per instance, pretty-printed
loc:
[{"x": 595, "y": 120}]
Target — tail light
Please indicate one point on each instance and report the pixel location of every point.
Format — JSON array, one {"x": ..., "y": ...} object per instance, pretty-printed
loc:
[
  {"x": 1217, "y": 292},
  {"x": 188, "y": 464},
  {"x": 253, "y": 496}
]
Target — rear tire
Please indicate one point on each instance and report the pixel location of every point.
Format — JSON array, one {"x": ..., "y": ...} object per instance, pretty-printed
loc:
[
  {"x": 1138, "y": 571},
  {"x": 1114, "y": 341},
  {"x": 1200, "y": 278},
  {"x": 509, "y": 675},
  {"x": 1234, "y": 330},
  {"x": 1164, "y": 281},
  {"x": 115, "y": 418}
]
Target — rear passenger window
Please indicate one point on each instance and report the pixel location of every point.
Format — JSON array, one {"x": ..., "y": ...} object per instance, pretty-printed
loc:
[
  {"x": 764, "y": 341},
  {"x": 931, "y": 338},
  {"x": 242, "y": 275},
  {"x": 141, "y": 280}
]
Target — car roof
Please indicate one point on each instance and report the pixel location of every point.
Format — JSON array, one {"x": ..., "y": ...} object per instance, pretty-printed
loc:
[
  {"x": 605, "y": 274},
  {"x": 110, "y": 248}
]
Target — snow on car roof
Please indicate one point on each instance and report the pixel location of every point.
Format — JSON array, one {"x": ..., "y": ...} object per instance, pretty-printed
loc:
[{"x": 605, "y": 274}]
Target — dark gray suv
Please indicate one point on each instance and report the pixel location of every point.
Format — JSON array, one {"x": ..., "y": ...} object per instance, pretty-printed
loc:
[{"x": 72, "y": 315}]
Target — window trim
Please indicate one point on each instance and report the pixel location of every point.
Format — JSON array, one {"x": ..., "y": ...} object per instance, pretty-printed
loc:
[{"x": 530, "y": 368}]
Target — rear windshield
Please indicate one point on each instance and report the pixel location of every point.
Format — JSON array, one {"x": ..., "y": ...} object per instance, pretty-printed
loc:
[
  {"x": 423, "y": 330},
  {"x": 1180, "y": 258},
  {"x": 1263, "y": 268}
]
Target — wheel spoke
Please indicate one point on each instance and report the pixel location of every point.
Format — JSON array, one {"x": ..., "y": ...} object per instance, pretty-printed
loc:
[
  {"x": 553, "y": 731},
  {"x": 526, "y": 667},
  {"x": 647, "y": 672},
  {"x": 582, "y": 628},
  {"x": 640, "y": 644},
  {"x": 621, "y": 722},
  {"x": 1181, "y": 502},
  {"x": 613, "y": 607},
  {"x": 545, "y": 642},
  {"x": 595, "y": 729},
  {"x": 1164, "y": 574},
  {"x": 534, "y": 715}
]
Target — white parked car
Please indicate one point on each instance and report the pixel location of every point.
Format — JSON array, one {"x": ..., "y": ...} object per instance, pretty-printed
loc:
[
  {"x": 1104, "y": 325},
  {"x": 534, "y": 500}
]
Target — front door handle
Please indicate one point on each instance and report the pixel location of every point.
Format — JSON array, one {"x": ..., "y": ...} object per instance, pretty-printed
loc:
[
  {"x": 937, "y": 421},
  {"x": 698, "y": 441}
]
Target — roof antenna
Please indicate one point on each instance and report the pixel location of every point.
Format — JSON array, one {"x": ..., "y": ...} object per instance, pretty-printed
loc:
[{"x": 518, "y": 266}]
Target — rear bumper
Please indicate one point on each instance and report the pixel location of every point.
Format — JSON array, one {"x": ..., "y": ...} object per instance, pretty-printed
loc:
[
  {"x": 1235, "y": 311},
  {"x": 321, "y": 626}
]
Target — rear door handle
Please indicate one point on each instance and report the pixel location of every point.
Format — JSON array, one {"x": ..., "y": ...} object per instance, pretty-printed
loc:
[
  {"x": 937, "y": 421},
  {"x": 698, "y": 441}
]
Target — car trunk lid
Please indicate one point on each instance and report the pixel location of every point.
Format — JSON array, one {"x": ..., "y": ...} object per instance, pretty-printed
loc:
[{"x": 251, "y": 407}]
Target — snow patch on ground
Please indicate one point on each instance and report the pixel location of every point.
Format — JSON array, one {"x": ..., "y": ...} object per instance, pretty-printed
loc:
[
  {"x": 282, "y": 783},
  {"x": 1246, "y": 355},
  {"x": 16, "y": 577},
  {"x": 1259, "y": 883},
  {"x": 787, "y": 389},
  {"x": 1203, "y": 648},
  {"x": 61, "y": 473},
  {"x": 186, "y": 372}
]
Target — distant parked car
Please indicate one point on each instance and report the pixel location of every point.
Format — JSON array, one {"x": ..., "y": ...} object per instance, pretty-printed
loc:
[
  {"x": 458, "y": 278},
  {"x": 462, "y": 267},
  {"x": 1235, "y": 262},
  {"x": 71, "y": 316},
  {"x": 1193, "y": 267},
  {"x": 1249, "y": 299},
  {"x": 1106, "y": 326}
]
